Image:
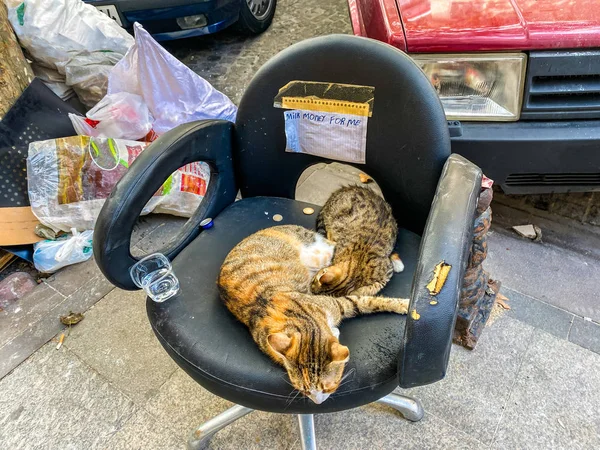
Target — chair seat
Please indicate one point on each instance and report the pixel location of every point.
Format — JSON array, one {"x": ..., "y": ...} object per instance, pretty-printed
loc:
[{"x": 206, "y": 340}]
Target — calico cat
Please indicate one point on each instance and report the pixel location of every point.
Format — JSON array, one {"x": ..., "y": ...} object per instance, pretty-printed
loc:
[
  {"x": 265, "y": 282},
  {"x": 364, "y": 231}
]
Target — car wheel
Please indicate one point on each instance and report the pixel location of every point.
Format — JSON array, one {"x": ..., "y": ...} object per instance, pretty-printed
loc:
[{"x": 256, "y": 15}]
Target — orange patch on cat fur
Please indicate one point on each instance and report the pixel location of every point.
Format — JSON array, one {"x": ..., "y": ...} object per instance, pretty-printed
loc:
[{"x": 440, "y": 275}]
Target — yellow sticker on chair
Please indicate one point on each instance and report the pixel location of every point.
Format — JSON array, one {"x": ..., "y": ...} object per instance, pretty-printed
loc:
[{"x": 326, "y": 119}]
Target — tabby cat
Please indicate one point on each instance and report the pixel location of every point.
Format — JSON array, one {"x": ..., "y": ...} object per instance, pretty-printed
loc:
[
  {"x": 364, "y": 231},
  {"x": 265, "y": 282}
]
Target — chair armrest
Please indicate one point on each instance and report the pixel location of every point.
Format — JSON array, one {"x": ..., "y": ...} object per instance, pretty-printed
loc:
[
  {"x": 447, "y": 237},
  {"x": 205, "y": 140}
]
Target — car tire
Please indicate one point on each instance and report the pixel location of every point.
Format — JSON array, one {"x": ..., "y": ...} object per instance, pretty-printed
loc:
[{"x": 256, "y": 15}]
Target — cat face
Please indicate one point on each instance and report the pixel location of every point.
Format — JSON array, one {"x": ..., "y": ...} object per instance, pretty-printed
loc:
[{"x": 314, "y": 368}]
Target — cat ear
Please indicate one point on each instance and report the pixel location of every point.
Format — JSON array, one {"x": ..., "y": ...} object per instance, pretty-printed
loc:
[
  {"x": 339, "y": 353},
  {"x": 329, "y": 275},
  {"x": 280, "y": 342}
]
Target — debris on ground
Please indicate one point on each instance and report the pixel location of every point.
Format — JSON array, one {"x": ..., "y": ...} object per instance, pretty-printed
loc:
[
  {"x": 46, "y": 232},
  {"x": 440, "y": 274},
  {"x": 78, "y": 44},
  {"x": 501, "y": 300},
  {"x": 71, "y": 318},
  {"x": 496, "y": 312},
  {"x": 529, "y": 231},
  {"x": 364, "y": 178},
  {"x": 277, "y": 218},
  {"x": 61, "y": 339},
  {"x": 6, "y": 259},
  {"x": 15, "y": 286},
  {"x": 68, "y": 320}
]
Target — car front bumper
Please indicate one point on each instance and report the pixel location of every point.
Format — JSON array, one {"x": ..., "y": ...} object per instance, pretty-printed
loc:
[
  {"x": 529, "y": 157},
  {"x": 159, "y": 17}
]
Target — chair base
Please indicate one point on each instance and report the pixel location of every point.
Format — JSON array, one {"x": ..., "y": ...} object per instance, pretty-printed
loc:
[{"x": 409, "y": 407}]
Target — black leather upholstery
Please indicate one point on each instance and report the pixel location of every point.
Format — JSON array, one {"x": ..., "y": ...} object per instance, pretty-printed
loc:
[
  {"x": 447, "y": 237},
  {"x": 407, "y": 136},
  {"x": 215, "y": 349},
  {"x": 205, "y": 140}
]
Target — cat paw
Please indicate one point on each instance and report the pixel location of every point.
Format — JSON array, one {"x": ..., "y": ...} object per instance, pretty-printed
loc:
[
  {"x": 400, "y": 305},
  {"x": 397, "y": 263}
]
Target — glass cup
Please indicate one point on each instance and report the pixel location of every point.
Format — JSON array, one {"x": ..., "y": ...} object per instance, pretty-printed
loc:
[{"x": 154, "y": 274}]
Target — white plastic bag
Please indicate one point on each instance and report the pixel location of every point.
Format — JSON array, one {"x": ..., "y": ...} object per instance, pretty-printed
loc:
[
  {"x": 55, "y": 81},
  {"x": 49, "y": 256},
  {"x": 173, "y": 92},
  {"x": 87, "y": 73},
  {"x": 118, "y": 116},
  {"x": 55, "y": 31}
]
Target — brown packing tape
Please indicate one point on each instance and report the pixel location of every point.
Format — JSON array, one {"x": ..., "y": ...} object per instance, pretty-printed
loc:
[
  {"x": 328, "y": 106},
  {"x": 17, "y": 226},
  {"x": 326, "y": 97}
]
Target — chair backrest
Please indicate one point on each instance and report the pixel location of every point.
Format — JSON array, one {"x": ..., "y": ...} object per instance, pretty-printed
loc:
[{"x": 407, "y": 135}]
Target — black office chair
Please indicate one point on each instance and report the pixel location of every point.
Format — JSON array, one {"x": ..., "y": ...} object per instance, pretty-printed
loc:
[{"x": 433, "y": 195}]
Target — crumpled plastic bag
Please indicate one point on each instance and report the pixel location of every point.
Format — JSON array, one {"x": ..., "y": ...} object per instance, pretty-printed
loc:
[
  {"x": 87, "y": 73},
  {"x": 54, "y": 80},
  {"x": 49, "y": 256},
  {"x": 173, "y": 92},
  {"x": 68, "y": 180},
  {"x": 118, "y": 116},
  {"x": 55, "y": 32}
]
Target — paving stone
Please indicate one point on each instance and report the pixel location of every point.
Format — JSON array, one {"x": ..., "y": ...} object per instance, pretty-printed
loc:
[
  {"x": 478, "y": 382},
  {"x": 260, "y": 430},
  {"x": 381, "y": 427},
  {"x": 116, "y": 340},
  {"x": 586, "y": 334},
  {"x": 69, "y": 279},
  {"x": 143, "y": 431},
  {"x": 183, "y": 404},
  {"x": 538, "y": 314},
  {"x": 54, "y": 401},
  {"x": 23, "y": 313},
  {"x": 545, "y": 272},
  {"x": 555, "y": 400},
  {"x": 144, "y": 226},
  {"x": 162, "y": 234},
  {"x": 43, "y": 325}
]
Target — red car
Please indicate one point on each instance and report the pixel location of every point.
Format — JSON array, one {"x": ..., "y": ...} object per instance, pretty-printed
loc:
[{"x": 519, "y": 81}]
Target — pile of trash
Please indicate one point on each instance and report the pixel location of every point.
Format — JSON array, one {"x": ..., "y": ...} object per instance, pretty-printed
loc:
[
  {"x": 71, "y": 44},
  {"x": 137, "y": 91}
]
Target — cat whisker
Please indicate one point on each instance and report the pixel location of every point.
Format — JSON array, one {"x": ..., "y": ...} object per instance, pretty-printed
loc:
[
  {"x": 291, "y": 401},
  {"x": 350, "y": 372},
  {"x": 285, "y": 379}
]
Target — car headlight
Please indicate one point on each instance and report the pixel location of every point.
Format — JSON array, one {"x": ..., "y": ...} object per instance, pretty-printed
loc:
[{"x": 477, "y": 87}]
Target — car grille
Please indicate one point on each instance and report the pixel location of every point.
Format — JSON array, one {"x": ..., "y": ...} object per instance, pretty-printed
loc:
[
  {"x": 553, "y": 179},
  {"x": 562, "y": 85}
]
